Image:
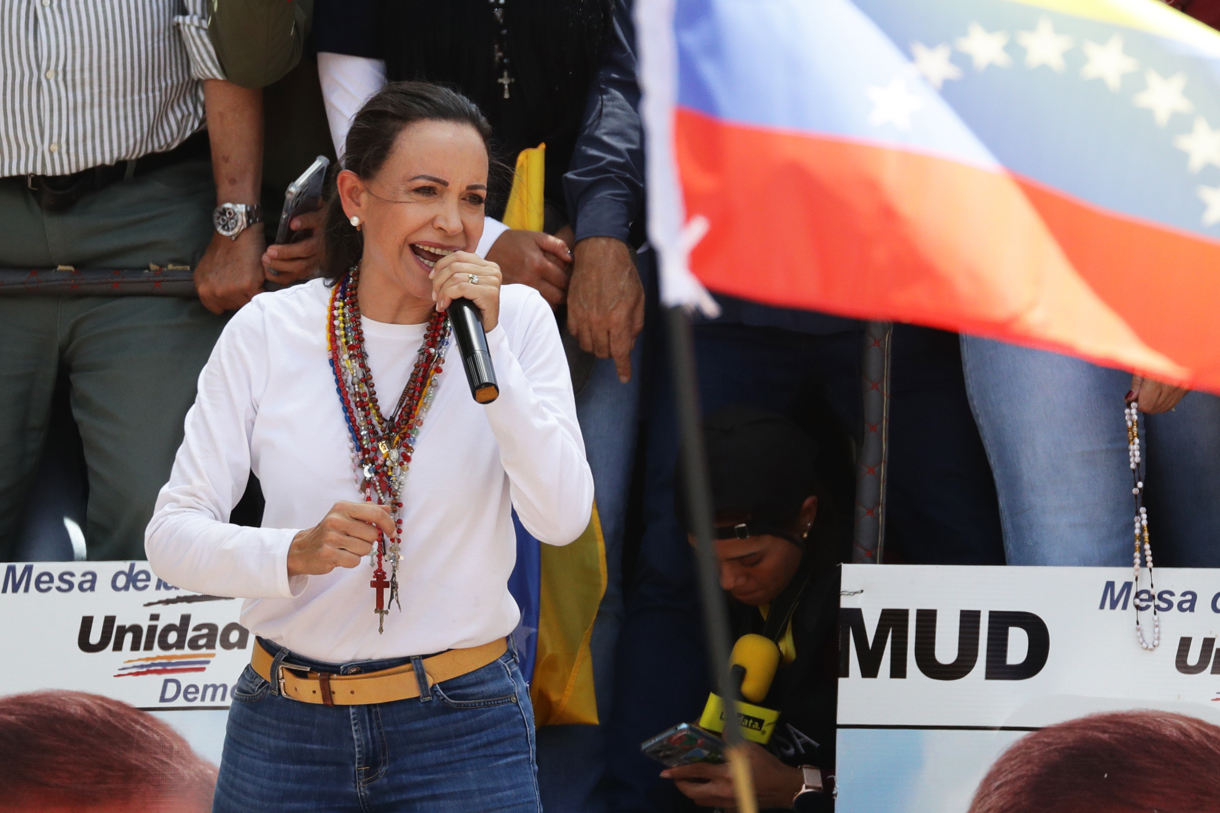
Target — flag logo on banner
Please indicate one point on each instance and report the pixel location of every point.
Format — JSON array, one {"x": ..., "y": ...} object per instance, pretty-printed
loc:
[
  {"x": 1045, "y": 172},
  {"x": 166, "y": 664}
]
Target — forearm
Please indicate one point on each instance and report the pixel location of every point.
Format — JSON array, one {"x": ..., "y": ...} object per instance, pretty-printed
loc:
[
  {"x": 235, "y": 128},
  {"x": 541, "y": 449},
  {"x": 189, "y": 549}
]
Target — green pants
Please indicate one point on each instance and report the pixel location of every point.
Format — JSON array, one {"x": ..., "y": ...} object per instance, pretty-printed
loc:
[{"x": 132, "y": 361}]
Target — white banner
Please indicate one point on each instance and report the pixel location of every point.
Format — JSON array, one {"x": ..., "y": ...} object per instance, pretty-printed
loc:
[
  {"x": 943, "y": 668},
  {"x": 115, "y": 629}
]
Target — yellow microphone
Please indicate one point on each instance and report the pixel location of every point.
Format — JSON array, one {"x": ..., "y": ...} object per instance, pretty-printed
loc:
[{"x": 752, "y": 666}]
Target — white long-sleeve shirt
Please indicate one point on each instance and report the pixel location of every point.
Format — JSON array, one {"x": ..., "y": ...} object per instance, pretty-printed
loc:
[{"x": 267, "y": 403}]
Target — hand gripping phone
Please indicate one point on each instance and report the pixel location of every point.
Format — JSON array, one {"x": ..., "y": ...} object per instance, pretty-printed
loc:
[
  {"x": 302, "y": 196},
  {"x": 684, "y": 744}
]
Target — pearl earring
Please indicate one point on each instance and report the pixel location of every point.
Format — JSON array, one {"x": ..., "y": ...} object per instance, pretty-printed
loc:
[{"x": 355, "y": 220}]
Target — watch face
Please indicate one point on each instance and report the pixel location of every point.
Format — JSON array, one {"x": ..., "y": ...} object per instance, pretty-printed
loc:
[
  {"x": 809, "y": 801},
  {"x": 226, "y": 220}
]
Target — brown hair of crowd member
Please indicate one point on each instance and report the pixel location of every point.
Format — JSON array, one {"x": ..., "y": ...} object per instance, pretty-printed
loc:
[
  {"x": 1123, "y": 762},
  {"x": 371, "y": 139},
  {"x": 72, "y": 751}
]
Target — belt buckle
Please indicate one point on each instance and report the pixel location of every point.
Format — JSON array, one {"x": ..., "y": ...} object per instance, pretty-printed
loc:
[
  {"x": 279, "y": 677},
  {"x": 29, "y": 182}
]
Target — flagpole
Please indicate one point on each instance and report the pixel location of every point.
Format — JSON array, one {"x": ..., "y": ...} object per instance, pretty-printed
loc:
[{"x": 698, "y": 498}]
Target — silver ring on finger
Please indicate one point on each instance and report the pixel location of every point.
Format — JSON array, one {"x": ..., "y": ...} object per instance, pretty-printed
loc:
[{"x": 474, "y": 279}]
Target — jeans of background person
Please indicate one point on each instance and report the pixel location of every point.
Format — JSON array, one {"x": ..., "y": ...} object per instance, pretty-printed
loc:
[
  {"x": 661, "y": 674},
  {"x": 468, "y": 744},
  {"x": 1054, "y": 430},
  {"x": 571, "y": 758},
  {"x": 132, "y": 361}
]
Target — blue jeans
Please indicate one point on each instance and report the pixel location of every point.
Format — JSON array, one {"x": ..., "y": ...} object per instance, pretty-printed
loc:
[
  {"x": 468, "y": 744},
  {"x": 1054, "y": 432},
  {"x": 571, "y": 758}
]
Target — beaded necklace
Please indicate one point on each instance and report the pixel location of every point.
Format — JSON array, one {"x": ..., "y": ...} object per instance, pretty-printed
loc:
[
  {"x": 381, "y": 447},
  {"x": 1134, "y": 458}
]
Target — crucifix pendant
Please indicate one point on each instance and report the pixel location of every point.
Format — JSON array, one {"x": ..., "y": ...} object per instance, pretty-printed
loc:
[
  {"x": 379, "y": 582},
  {"x": 505, "y": 80},
  {"x": 393, "y": 593}
]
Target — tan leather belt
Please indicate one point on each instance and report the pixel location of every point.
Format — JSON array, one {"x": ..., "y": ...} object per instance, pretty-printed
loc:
[{"x": 383, "y": 686}]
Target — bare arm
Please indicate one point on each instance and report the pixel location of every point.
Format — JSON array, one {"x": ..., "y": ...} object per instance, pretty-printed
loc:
[{"x": 231, "y": 271}]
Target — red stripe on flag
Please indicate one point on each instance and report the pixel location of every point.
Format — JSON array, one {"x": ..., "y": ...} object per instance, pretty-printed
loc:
[{"x": 879, "y": 233}]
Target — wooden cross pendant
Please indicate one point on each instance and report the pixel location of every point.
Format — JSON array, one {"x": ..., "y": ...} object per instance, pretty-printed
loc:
[
  {"x": 379, "y": 582},
  {"x": 505, "y": 80}
]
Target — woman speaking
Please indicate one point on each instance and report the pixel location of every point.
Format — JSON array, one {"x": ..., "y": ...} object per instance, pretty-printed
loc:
[{"x": 377, "y": 586}]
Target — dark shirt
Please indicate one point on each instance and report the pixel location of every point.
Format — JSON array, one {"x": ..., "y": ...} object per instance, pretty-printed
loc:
[
  {"x": 551, "y": 49},
  {"x": 804, "y": 691}
]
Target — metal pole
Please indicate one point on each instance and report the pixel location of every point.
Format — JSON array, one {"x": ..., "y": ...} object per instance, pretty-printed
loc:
[
  {"x": 874, "y": 449},
  {"x": 698, "y": 497}
]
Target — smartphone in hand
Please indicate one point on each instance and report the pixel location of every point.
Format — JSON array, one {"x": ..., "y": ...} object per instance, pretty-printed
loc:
[
  {"x": 301, "y": 197},
  {"x": 684, "y": 744}
]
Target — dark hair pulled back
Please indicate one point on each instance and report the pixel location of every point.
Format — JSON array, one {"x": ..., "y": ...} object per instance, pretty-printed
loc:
[{"x": 370, "y": 141}]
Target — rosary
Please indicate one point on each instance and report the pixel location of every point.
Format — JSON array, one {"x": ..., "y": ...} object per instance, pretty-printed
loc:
[
  {"x": 381, "y": 447},
  {"x": 497, "y": 8},
  {"x": 1141, "y": 527}
]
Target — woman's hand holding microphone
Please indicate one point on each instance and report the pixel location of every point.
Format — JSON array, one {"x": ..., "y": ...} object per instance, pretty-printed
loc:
[{"x": 465, "y": 275}]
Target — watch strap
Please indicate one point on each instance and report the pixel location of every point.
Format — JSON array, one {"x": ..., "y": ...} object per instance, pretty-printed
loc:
[{"x": 817, "y": 787}]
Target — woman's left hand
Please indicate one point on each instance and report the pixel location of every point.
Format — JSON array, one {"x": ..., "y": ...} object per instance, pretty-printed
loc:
[
  {"x": 709, "y": 785},
  {"x": 1153, "y": 396},
  {"x": 463, "y": 275}
]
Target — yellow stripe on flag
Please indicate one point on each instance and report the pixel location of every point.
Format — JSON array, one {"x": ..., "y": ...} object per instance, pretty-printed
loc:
[
  {"x": 573, "y": 583},
  {"x": 573, "y": 576},
  {"x": 1150, "y": 16},
  {"x": 525, "y": 201}
]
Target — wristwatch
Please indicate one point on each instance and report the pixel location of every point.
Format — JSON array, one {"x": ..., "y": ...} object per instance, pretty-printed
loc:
[
  {"x": 231, "y": 219},
  {"x": 812, "y": 797}
]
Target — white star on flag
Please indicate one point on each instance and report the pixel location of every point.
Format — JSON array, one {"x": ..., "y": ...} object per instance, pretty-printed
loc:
[
  {"x": 935, "y": 64},
  {"x": 1202, "y": 145},
  {"x": 1107, "y": 62},
  {"x": 1044, "y": 47},
  {"x": 1164, "y": 96},
  {"x": 893, "y": 104},
  {"x": 984, "y": 48},
  {"x": 1210, "y": 196}
]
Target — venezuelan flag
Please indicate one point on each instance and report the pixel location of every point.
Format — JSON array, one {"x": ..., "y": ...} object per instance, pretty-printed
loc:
[{"x": 1045, "y": 172}]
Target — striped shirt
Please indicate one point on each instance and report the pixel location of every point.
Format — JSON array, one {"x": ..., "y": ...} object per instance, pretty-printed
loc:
[{"x": 86, "y": 83}]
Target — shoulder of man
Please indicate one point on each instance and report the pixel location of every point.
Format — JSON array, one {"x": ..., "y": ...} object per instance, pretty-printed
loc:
[{"x": 259, "y": 41}]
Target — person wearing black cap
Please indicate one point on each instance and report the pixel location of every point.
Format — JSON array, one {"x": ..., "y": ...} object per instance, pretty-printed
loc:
[{"x": 778, "y": 532}]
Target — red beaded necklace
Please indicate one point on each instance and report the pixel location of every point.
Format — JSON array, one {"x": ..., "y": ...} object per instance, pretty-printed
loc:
[{"x": 381, "y": 447}]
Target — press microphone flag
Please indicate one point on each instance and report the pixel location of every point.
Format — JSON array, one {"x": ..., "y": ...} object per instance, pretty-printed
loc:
[
  {"x": 752, "y": 666},
  {"x": 467, "y": 325}
]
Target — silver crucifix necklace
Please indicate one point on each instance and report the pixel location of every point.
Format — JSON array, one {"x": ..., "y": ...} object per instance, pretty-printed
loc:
[{"x": 506, "y": 79}]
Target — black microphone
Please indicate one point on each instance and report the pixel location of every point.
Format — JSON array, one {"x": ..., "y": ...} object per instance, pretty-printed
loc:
[{"x": 467, "y": 324}]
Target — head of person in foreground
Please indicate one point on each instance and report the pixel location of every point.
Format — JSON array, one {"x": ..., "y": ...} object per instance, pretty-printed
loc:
[
  {"x": 411, "y": 194},
  {"x": 1120, "y": 762},
  {"x": 769, "y": 502},
  {"x": 71, "y": 751}
]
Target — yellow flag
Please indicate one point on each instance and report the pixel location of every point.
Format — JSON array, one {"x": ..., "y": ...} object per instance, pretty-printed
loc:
[
  {"x": 573, "y": 576},
  {"x": 525, "y": 209}
]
